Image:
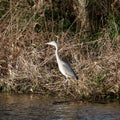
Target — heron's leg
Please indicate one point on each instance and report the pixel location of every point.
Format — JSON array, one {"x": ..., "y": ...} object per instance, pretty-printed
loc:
[{"x": 65, "y": 83}]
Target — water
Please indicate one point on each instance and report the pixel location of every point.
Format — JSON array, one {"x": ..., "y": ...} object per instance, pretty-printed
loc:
[{"x": 34, "y": 107}]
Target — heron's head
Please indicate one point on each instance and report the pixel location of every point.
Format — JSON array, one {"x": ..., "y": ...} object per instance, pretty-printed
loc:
[{"x": 53, "y": 43}]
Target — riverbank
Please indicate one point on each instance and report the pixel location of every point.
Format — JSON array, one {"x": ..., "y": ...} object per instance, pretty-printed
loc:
[
  {"x": 98, "y": 76},
  {"x": 91, "y": 46}
]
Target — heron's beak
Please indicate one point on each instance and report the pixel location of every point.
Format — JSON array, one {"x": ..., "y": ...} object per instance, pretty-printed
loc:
[{"x": 48, "y": 43}]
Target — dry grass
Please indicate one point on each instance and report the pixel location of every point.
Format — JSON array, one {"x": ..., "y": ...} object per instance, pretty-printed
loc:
[{"x": 28, "y": 65}]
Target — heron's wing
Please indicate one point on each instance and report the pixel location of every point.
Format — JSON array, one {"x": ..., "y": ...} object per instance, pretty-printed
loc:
[{"x": 68, "y": 69}]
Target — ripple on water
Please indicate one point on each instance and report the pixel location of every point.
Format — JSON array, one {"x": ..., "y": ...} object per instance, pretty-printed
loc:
[{"x": 34, "y": 107}]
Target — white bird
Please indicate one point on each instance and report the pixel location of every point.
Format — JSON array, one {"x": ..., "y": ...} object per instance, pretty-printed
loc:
[{"x": 64, "y": 67}]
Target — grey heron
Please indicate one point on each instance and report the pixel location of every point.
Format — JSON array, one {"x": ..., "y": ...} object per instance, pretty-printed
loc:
[{"x": 63, "y": 66}]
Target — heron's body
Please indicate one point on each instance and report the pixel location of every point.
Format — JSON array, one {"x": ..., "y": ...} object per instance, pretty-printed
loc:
[{"x": 64, "y": 67}]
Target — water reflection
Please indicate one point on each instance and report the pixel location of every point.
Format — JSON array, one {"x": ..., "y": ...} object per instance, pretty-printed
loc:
[{"x": 33, "y": 107}]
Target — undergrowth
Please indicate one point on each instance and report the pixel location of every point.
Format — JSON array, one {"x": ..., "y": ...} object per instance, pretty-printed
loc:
[{"x": 88, "y": 38}]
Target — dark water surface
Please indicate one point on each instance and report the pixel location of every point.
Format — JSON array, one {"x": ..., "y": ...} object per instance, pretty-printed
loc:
[{"x": 34, "y": 107}]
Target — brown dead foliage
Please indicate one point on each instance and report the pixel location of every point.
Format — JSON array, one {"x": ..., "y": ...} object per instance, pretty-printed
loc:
[{"x": 27, "y": 64}]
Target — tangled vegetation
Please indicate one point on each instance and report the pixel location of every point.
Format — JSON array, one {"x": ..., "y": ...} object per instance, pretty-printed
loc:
[{"x": 88, "y": 34}]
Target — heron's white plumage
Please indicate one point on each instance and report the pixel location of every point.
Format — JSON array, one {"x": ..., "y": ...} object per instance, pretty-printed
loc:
[{"x": 64, "y": 67}]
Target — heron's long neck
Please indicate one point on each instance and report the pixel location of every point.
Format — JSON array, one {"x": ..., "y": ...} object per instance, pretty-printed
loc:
[{"x": 56, "y": 53}]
